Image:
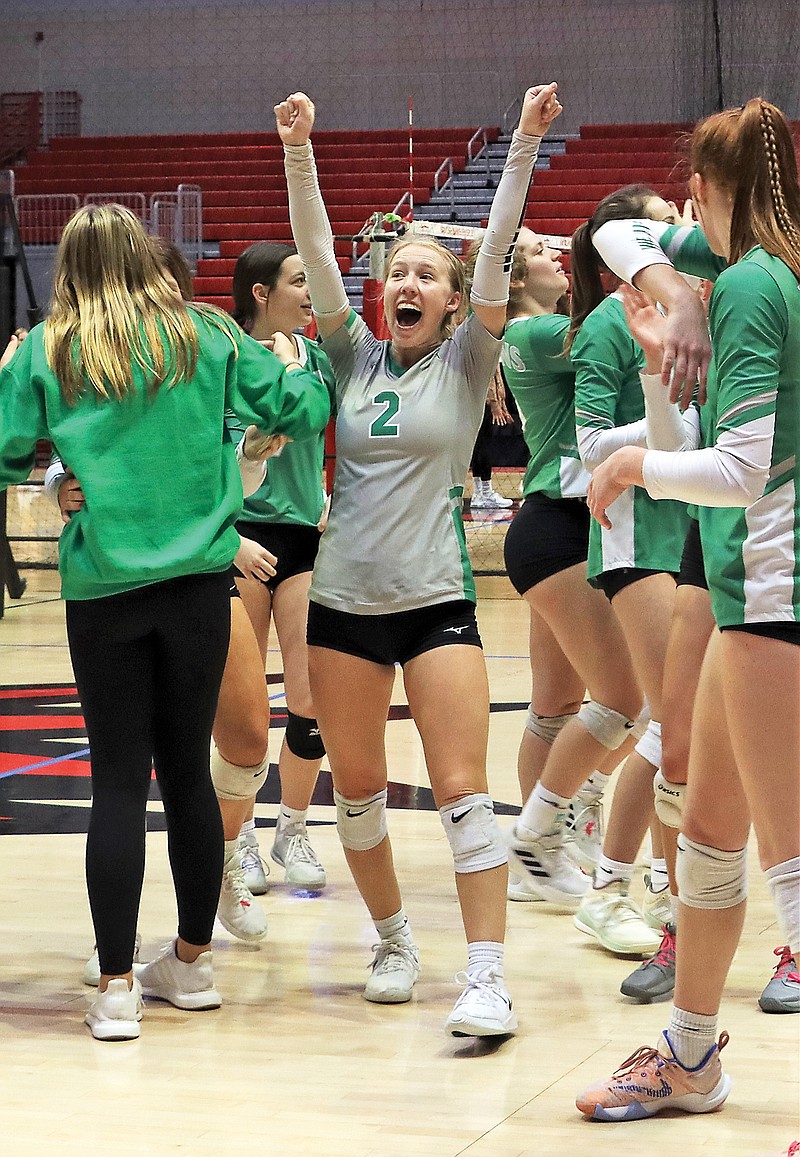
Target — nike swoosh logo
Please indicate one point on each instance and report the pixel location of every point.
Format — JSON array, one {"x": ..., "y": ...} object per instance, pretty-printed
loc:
[
  {"x": 456, "y": 819},
  {"x": 354, "y": 815}
]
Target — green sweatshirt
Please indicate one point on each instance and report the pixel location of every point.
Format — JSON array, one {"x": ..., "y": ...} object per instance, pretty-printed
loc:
[{"x": 157, "y": 469}]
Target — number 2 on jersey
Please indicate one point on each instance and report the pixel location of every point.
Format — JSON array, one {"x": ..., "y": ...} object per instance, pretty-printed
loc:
[{"x": 383, "y": 426}]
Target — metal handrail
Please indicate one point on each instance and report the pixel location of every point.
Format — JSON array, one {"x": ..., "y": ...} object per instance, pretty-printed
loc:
[
  {"x": 513, "y": 110},
  {"x": 447, "y": 163},
  {"x": 404, "y": 200},
  {"x": 482, "y": 135}
]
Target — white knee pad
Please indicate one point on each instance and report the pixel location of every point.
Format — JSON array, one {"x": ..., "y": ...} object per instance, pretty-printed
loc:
[
  {"x": 641, "y": 721},
  {"x": 608, "y": 727},
  {"x": 361, "y": 823},
  {"x": 234, "y": 782},
  {"x": 649, "y": 746},
  {"x": 547, "y": 727},
  {"x": 669, "y": 800},
  {"x": 709, "y": 878},
  {"x": 474, "y": 834}
]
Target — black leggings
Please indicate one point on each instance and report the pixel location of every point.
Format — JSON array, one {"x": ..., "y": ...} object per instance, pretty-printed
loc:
[
  {"x": 481, "y": 463},
  {"x": 148, "y": 666}
]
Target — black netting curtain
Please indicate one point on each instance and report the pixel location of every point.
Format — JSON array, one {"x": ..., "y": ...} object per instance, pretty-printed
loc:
[{"x": 737, "y": 49}]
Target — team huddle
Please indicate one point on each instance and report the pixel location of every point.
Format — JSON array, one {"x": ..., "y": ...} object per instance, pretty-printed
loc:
[{"x": 660, "y": 524}]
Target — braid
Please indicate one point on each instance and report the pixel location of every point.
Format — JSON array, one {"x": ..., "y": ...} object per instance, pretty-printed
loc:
[{"x": 776, "y": 185}]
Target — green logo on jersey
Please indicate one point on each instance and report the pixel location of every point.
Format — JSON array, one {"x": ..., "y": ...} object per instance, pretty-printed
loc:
[{"x": 383, "y": 426}]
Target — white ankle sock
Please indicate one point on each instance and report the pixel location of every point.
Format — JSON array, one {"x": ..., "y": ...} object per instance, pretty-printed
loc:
[
  {"x": 247, "y": 826},
  {"x": 597, "y": 783},
  {"x": 784, "y": 883},
  {"x": 659, "y": 880},
  {"x": 395, "y": 928},
  {"x": 611, "y": 872},
  {"x": 231, "y": 856},
  {"x": 289, "y": 815},
  {"x": 482, "y": 954},
  {"x": 543, "y": 814},
  {"x": 691, "y": 1036}
]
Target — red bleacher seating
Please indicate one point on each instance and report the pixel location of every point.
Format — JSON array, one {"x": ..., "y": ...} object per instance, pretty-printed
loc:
[{"x": 241, "y": 176}]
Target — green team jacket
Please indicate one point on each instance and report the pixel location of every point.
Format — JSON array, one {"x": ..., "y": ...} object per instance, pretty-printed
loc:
[{"x": 158, "y": 470}]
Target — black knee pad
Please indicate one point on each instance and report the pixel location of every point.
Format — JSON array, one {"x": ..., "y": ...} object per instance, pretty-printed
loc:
[{"x": 303, "y": 738}]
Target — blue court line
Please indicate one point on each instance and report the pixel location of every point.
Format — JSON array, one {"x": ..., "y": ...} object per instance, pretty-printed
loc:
[{"x": 46, "y": 763}]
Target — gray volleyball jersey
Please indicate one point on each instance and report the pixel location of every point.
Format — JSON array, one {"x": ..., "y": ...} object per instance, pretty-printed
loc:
[{"x": 395, "y": 538}]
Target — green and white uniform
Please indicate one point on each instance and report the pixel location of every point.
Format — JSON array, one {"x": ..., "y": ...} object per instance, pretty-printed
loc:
[
  {"x": 645, "y": 535},
  {"x": 542, "y": 380},
  {"x": 745, "y": 480},
  {"x": 157, "y": 468},
  {"x": 395, "y": 538},
  {"x": 291, "y": 492}
]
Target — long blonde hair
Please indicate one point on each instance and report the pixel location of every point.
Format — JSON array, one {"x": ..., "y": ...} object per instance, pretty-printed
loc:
[{"x": 112, "y": 310}]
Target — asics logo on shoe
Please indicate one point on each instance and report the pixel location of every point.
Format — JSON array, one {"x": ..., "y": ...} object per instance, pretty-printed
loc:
[
  {"x": 456, "y": 819},
  {"x": 354, "y": 815},
  {"x": 455, "y": 630}
]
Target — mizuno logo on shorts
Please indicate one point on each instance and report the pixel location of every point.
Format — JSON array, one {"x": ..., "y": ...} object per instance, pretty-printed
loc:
[{"x": 455, "y": 630}]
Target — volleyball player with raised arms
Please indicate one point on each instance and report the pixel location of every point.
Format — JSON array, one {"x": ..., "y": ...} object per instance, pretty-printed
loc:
[
  {"x": 392, "y": 581},
  {"x": 745, "y": 747}
]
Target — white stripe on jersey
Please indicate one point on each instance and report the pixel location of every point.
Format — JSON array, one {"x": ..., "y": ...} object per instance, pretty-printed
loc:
[
  {"x": 573, "y": 479},
  {"x": 768, "y": 554},
  {"x": 619, "y": 543}
]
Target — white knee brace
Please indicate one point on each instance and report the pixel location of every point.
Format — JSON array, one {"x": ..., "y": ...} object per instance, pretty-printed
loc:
[
  {"x": 608, "y": 727},
  {"x": 649, "y": 746},
  {"x": 361, "y": 823},
  {"x": 709, "y": 878},
  {"x": 669, "y": 800},
  {"x": 234, "y": 782},
  {"x": 474, "y": 834},
  {"x": 547, "y": 727}
]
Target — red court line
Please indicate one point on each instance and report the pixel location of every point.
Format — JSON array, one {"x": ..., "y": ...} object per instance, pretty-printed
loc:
[
  {"x": 36, "y": 692},
  {"x": 42, "y": 723}
]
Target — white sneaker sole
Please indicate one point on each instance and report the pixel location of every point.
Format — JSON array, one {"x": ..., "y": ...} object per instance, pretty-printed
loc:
[
  {"x": 389, "y": 996},
  {"x": 481, "y": 1028},
  {"x": 294, "y": 876},
  {"x": 111, "y": 1030},
  {"x": 188, "y": 1001}
]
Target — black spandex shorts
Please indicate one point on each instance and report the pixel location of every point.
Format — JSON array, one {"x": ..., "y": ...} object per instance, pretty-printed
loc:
[
  {"x": 295, "y": 547},
  {"x": 692, "y": 572},
  {"x": 233, "y": 590},
  {"x": 393, "y": 638},
  {"x": 787, "y": 632},
  {"x": 547, "y": 536},
  {"x": 611, "y": 582}
]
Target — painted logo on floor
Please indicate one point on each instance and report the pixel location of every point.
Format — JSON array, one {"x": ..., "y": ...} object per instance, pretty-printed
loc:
[{"x": 45, "y": 768}]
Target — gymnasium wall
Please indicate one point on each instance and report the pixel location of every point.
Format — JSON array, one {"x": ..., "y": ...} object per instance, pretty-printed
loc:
[{"x": 159, "y": 66}]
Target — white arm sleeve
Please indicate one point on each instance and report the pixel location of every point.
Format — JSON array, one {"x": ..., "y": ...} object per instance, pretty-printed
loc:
[
  {"x": 312, "y": 231},
  {"x": 253, "y": 473},
  {"x": 628, "y": 247},
  {"x": 595, "y": 444},
  {"x": 493, "y": 264},
  {"x": 732, "y": 473},
  {"x": 54, "y": 476},
  {"x": 667, "y": 427}
]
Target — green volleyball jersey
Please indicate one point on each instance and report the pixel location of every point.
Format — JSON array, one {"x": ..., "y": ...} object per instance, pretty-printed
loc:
[
  {"x": 542, "y": 380},
  {"x": 752, "y": 554},
  {"x": 645, "y": 534},
  {"x": 292, "y": 489},
  {"x": 157, "y": 468},
  {"x": 395, "y": 538}
]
